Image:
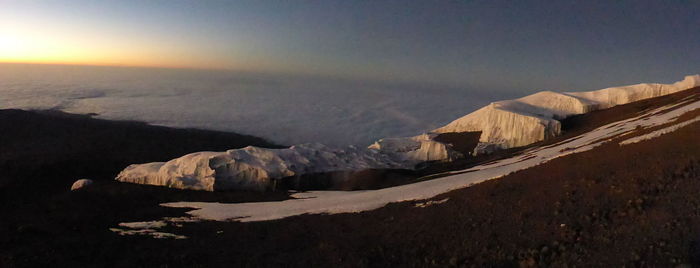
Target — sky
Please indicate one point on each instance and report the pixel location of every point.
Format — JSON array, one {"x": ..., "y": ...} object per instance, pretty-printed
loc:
[{"x": 548, "y": 44}]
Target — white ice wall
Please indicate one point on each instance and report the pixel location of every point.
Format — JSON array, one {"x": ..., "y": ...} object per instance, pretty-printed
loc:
[
  {"x": 533, "y": 118},
  {"x": 253, "y": 168}
]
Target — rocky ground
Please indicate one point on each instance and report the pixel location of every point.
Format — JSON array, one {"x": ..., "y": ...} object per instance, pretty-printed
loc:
[{"x": 635, "y": 205}]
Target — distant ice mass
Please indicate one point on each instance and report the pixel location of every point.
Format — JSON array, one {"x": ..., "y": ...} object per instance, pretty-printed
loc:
[
  {"x": 533, "y": 118},
  {"x": 284, "y": 109}
]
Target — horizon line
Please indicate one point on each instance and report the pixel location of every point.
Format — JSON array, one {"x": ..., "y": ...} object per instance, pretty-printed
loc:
[
  {"x": 119, "y": 65},
  {"x": 252, "y": 71}
]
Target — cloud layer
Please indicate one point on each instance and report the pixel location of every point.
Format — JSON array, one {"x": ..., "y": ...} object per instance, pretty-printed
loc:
[{"x": 287, "y": 110}]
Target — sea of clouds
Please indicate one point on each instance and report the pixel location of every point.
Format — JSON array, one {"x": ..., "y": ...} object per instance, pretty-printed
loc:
[{"x": 284, "y": 109}]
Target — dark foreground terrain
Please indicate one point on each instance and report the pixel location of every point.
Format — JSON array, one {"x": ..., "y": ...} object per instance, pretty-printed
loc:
[{"x": 635, "y": 205}]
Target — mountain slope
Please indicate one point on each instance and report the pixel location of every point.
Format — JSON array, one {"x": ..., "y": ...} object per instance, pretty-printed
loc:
[
  {"x": 663, "y": 119},
  {"x": 580, "y": 209}
]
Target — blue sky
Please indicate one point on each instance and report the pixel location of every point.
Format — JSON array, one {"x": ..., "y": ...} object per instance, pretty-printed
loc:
[{"x": 489, "y": 44}]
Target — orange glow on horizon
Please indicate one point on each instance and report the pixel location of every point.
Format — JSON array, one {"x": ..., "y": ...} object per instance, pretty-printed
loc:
[
  {"x": 109, "y": 64},
  {"x": 60, "y": 41},
  {"x": 35, "y": 44}
]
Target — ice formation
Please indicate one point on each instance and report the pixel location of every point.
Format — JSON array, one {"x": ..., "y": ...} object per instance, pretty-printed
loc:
[
  {"x": 416, "y": 149},
  {"x": 80, "y": 184},
  {"x": 514, "y": 123},
  {"x": 253, "y": 168},
  {"x": 503, "y": 124}
]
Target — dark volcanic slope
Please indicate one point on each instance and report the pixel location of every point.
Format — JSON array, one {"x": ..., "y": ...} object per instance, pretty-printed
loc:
[
  {"x": 43, "y": 152},
  {"x": 62, "y": 147},
  {"x": 612, "y": 206}
]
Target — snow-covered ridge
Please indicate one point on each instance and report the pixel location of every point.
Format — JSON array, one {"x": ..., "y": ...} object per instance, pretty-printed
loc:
[
  {"x": 519, "y": 122},
  {"x": 503, "y": 124}
]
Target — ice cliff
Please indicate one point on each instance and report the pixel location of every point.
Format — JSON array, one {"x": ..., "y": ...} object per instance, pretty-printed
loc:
[
  {"x": 253, "y": 168},
  {"x": 503, "y": 124},
  {"x": 519, "y": 122}
]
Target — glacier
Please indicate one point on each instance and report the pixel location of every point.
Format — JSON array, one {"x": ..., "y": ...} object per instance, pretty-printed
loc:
[
  {"x": 503, "y": 124},
  {"x": 534, "y": 118},
  {"x": 254, "y": 168}
]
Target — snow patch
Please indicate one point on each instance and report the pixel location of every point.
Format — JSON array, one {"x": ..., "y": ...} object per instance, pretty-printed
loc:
[
  {"x": 144, "y": 224},
  {"x": 148, "y": 228},
  {"x": 659, "y": 132},
  {"x": 147, "y": 232},
  {"x": 430, "y": 203}
]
